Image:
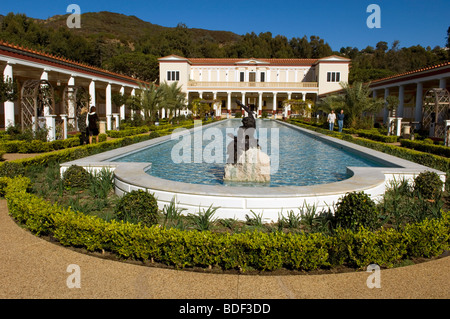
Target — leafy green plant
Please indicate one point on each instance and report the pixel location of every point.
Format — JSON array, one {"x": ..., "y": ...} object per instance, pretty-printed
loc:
[
  {"x": 101, "y": 183},
  {"x": 173, "y": 215},
  {"x": 76, "y": 177},
  {"x": 356, "y": 209},
  {"x": 12, "y": 169},
  {"x": 291, "y": 220},
  {"x": 309, "y": 216},
  {"x": 204, "y": 220},
  {"x": 429, "y": 185},
  {"x": 255, "y": 220},
  {"x": 138, "y": 206}
]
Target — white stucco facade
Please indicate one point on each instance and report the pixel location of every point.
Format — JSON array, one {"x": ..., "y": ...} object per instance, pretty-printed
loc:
[{"x": 261, "y": 83}]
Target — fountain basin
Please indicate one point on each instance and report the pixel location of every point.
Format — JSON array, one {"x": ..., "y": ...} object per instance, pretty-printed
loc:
[{"x": 238, "y": 201}]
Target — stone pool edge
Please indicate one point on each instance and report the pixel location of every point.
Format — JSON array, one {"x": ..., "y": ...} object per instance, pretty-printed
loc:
[{"x": 236, "y": 202}]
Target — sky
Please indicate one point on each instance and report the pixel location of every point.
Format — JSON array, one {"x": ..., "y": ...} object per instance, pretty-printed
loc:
[{"x": 340, "y": 23}]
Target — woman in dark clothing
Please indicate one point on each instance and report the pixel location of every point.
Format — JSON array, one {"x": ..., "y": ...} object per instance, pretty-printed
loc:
[{"x": 92, "y": 124}]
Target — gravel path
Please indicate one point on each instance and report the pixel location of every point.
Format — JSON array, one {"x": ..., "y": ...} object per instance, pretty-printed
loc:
[{"x": 31, "y": 267}]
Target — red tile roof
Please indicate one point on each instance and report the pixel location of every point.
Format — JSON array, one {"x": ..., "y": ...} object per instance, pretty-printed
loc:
[
  {"x": 271, "y": 61},
  {"x": 59, "y": 59},
  {"x": 412, "y": 72}
]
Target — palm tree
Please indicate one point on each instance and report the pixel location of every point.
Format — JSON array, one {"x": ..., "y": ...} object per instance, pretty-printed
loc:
[
  {"x": 173, "y": 98},
  {"x": 150, "y": 98},
  {"x": 356, "y": 102}
]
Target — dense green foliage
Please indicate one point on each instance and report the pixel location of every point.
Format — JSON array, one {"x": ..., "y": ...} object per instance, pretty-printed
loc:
[
  {"x": 355, "y": 210},
  {"x": 428, "y": 185},
  {"x": 76, "y": 177},
  {"x": 242, "y": 251},
  {"x": 128, "y": 45},
  {"x": 138, "y": 206}
]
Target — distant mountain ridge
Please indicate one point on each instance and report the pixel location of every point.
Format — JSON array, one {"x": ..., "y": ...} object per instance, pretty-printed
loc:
[{"x": 130, "y": 28}]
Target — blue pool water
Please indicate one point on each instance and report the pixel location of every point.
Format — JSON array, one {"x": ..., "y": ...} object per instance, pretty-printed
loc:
[{"x": 302, "y": 159}]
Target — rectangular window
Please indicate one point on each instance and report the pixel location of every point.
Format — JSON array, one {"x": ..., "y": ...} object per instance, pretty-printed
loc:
[
  {"x": 333, "y": 76},
  {"x": 263, "y": 77},
  {"x": 242, "y": 76},
  {"x": 173, "y": 75}
]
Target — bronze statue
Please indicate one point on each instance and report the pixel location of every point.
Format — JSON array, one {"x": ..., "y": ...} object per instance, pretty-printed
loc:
[{"x": 245, "y": 138}]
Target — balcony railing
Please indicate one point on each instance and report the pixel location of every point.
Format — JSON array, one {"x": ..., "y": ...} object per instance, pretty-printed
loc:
[{"x": 203, "y": 84}]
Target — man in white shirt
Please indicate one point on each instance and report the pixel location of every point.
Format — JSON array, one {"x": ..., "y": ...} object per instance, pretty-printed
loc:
[{"x": 331, "y": 119}]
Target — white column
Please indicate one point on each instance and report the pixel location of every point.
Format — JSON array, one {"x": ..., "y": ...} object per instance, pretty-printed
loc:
[
  {"x": 442, "y": 83},
  {"x": 64, "y": 117},
  {"x": 92, "y": 93},
  {"x": 287, "y": 108},
  {"x": 133, "y": 93},
  {"x": 214, "y": 104},
  {"x": 44, "y": 76},
  {"x": 108, "y": 107},
  {"x": 274, "y": 107},
  {"x": 386, "y": 111},
  {"x": 259, "y": 104},
  {"x": 419, "y": 97},
  {"x": 122, "y": 107},
  {"x": 9, "y": 106},
  {"x": 401, "y": 97},
  {"x": 244, "y": 102},
  {"x": 50, "y": 122},
  {"x": 71, "y": 102},
  {"x": 228, "y": 105}
]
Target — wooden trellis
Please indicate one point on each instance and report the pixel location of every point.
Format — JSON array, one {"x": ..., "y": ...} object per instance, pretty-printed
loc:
[
  {"x": 36, "y": 96},
  {"x": 436, "y": 107}
]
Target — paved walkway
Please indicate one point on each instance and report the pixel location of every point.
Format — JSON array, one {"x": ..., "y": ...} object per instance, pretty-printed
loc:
[{"x": 34, "y": 268}]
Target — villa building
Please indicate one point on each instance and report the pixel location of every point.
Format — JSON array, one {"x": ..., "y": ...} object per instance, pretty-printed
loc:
[
  {"x": 37, "y": 72},
  {"x": 262, "y": 84}
]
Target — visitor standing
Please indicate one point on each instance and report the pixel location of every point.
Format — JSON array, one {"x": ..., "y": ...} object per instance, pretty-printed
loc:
[
  {"x": 340, "y": 118},
  {"x": 82, "y": 125},
  {"x": 331, "y": 120},
  {"x": 92, "y": 124}
]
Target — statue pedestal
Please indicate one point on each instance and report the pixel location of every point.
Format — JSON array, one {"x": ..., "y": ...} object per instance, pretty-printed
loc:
[{"x": 252, "y": 166}]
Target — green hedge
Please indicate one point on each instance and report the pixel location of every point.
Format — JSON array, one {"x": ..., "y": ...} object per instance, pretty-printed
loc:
[
  {"x": 37, "y": 146},
  {"x": 378, "y": 137},
  {"x": 426, "y": 147},
  {"x": 243, "y": 251},
  {"x": 128, "y": 132},
  {"x": 70, "y": 154},
  {"x": 427, "y": 159}
]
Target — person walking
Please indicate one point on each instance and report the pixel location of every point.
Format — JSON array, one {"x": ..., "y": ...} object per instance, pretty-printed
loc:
[
  {"x": 92, "y": 124},
  {"x": 331, "y": 120},
  {"x": 340, "y": 119}
]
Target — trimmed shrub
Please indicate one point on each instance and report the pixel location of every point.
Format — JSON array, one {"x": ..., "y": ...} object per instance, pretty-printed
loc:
[
  {"x": 138, "y": 206},
  {"x": 426, "y": 147},
  {"x": 243, "y": 251},
  {"x": 76, "y": 177},
  {"x": 154, "y": 135},
  {"x": 356, "y": 209},
  {"x": 428, "y": 185},
  {"x": 11, "y": 169}
]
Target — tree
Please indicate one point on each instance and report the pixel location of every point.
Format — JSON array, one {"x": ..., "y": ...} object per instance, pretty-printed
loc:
[
  {"x": 151, "y": 97},
  {"x": 199, "y": 108},
  {"x": 357, "y": 104},
  {"x": 448, "y": 38},
  {"x": 392, "y": 103},
  {"x": 173, "y": 98}
]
